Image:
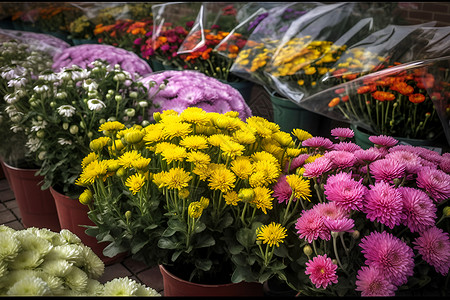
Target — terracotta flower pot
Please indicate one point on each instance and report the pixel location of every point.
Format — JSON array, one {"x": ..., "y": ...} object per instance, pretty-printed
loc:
[
  {"x": 174, "y": 286},
  {"x": 72, "y": 216},
  {"x": 37, "y": 207}
]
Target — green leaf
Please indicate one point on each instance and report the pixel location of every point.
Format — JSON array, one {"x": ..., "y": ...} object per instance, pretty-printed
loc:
[
  {"x": 136, "y": 247},
  {"x": 203, "y": 264},
  {"x": 246, "y": 237},
  {"x": 205, "y": 241},
  {"x": 199, "y": 227},
  {"x": 236, "y": 249},
  {"x": 112, "y": 250},
  {"x": 166, "y": 243},
  {"x": 243, "y": 274},
  {"x": 176, "y": 225}
]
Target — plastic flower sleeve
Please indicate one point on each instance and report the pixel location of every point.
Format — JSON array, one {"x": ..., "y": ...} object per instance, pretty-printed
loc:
[
  {"x": 264, "y": 39},
  {"x": 310, "y": 47},
  {"x": 404, "y": 100}
]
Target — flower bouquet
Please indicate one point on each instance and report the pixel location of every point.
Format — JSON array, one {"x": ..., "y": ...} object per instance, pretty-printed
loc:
[
  {"x": 40, "y": 262},
  {"x": 190, "y": 88},
  {"x": 19, "y": 65},
  {"x": 61, "y": 112},
  {"x": 84, "y": 55},
  {"x": 193, "y": 192},
  {"x": 378, "y": 223}
]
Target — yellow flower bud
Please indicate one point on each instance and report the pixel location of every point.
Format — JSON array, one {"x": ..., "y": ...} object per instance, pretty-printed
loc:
[
  {"x": 246, "y": 195},
  {"x": 134, "y": 137},
  {"x": 121, "y": 172},
  {"x": 128, "y": 215},
  {"x": 195, "y": 210},
  {"x": 204, "y": 202},
  {"x": 446, "y": 211},
  {"x": 85, "y": 197},
  {"x": 96, "y": 145},
  {"x": 308, "y": 250},
  {"x": 183, "y": 193}
]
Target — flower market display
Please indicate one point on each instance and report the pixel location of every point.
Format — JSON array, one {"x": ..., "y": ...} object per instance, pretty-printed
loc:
[
  {"x": 133, "y": 110},
  {"x": 40, "y": 262},
  {"x": 84, "y": 55},
  {"x": 185, "y": 89}
]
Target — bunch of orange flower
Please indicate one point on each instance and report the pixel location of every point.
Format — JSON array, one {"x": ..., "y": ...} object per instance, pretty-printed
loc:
[
  {"x": 396, "y": 101},
  {"x": 57, "y": 17},
  {"x": 123, "y": 33}
]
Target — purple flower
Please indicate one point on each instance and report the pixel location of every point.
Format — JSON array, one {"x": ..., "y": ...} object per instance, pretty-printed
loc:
[
  {"x": 346, "y": 192},
  {"x": 339, "y": 225},
  {"x": 341, "y": 159},
  {"x": 434, "y": 246},
  {"x": 368, "y": 155},
  {"x": 387, "y": 170},
  {"x": 371, "y": 283},
  {"x": 383, "y": 140},
  {"x": 342, "y": 133},
  {"x": 318, "y": 142},
  {"x": 316, "y": 168},
  {"x": 419, "y": 209},
  {"x": 384, "y": 204},
  {"x": 190, "y": 88},
  {"x": 347, "y": 146},
  {"x": 390, "y": 255},
  {"x": 435, "y": 182}
]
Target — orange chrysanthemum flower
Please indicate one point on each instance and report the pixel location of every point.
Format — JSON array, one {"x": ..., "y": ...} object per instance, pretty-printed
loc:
[
  {"x": 383, "y": 96},
  {"x": 416, "y": 98}
]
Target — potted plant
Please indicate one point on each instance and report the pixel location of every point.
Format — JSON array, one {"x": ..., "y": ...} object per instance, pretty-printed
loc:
[
  {"x": 378, "y": 223},
  {"x": 41, "y": 262},
  {"x": 63, "y": 110},
  {"x": 192, "y": 193}
]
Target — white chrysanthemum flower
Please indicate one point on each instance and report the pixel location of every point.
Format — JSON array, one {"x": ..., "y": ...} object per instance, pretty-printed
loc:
[
  {"x": 77, "y": 279},
  {"x": 28, "y": 259},
  {"x": 95, "y": 104},
  {"x": 49, "y": 77},
  {"x": 70, "y": 237},
  {"x": 63, "y": 141},
  {"x": 3, "y": 268},
  {"x": 44, "y": 233},
  {"x": 68, "y": 252},
  {"x": 92, "y": 264},
  {"x": 41, "y": 88},
  {"x": 16, "y": 275},
  {"x": 4, "y": 228},
  {"x": 17, "y": 82},
  {"x": 94, "y": 288},
  {"x": 29, "y": 286},
  {"x": 57, "y": 267},
  {"x": 80, "y": 74},
  {"x": 56, "y": 284},
  {"x": 66, "y": 110},
  {"x": 143, "y": 291},
  {"x": 30, "y": 241},
  {"x": 38, "y": 125},
  {"x": 123, "y": 286},
  {"x": 16, "y": 129},
  {"x": 90, "y": 85},
  {"x": 10, "y": 98},
  {"x": 9, "y": 246}
]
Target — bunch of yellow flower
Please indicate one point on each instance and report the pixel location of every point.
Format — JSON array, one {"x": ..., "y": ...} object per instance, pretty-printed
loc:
[{"x": 193, "y": 185}]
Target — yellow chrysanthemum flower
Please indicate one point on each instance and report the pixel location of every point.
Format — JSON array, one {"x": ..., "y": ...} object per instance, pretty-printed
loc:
[
  {"x": 195, "y": 142},
  {"x": 141, "y": 163},
  {"x": 222, "y": 179},
  {"x": 176, "y": 129},
  {"x": 244, "y": 137},
  {"x": 312, "y": 158},
  {"x": 195, "y": 210},
  {"x": 99, "y": 143},
  {"x": 204, "y": 202},
  {"x": 111, "y": 127},
  {"x": 293, "y": 152},
  {"x": 175, "y": 154},
  {"x": 231, "y": 198},
  {"x": 135, "y": 183},
  {"x": 158, "y": 179},
  {"x": 264, "y": 156},
  {"x": 95, "y": 170},
  {"x": 176, "y": 178},
  {"x": 301, "y": 134},
  {"x": 88, "y": 159},
  {"x": 133, "y": 135},
  {"x": 194, "y": 115},
  {"x": 126, "y": 160},
  {"x": 242, "y": 167},
  {"x": 300, "y": 186},
  {"x": 164, "y": 146},
  {"x": 232, "y": 149},
  {"x": 218, "y": 139},
  {"x": 272, "y": 234},
  {"x": 203, "y": 171},
  {"x": 263, "y": 199},
  {"x": 283, "y": 138},
  {"x": 153, "y": 133},
  {"x": 116, "y": 147},
  {"x": 198, "y": 157}
]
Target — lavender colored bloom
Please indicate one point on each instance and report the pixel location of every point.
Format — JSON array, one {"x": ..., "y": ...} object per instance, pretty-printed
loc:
[
  {"x": 390, "y": 255},
  {"x": 346, "y": 192},
  {"x": 387, "y": 170},
  {"x": 190, "y": 88},
  {"x": 435, "y": 182},
  {"x": 384, "y": 204},
  {"x": 434, "y": 246},
  {"x": 342, "y": 133},
  {"x": 383, "y": 140},
  {"x": 445, "y": 164},
  {"x": 419, "y": 209}
]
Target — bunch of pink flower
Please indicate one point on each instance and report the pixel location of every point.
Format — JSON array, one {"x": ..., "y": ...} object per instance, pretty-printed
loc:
[{"x": 379, "y": 222}]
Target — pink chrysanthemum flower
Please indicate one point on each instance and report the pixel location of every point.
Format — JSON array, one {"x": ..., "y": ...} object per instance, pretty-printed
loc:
[
  {"x": 321, "y": 271},
  {"x": 368, "y": 155},
  {"x": 434, "y": 246},
  {"x": 318, "y": 142},
  {"x": 317, "y": 167},
  {"x": 384, "y": 204},
  {"x": 330, "y": 210},
  {"x": 339, "y": 225},
  {"x": 371, "y": 283},
  {"x": 390, "y": 255},
  {"x": 387, "y": 170},
  {"x": 347, "y": 146},
  {"x": 341, "y": 159},
  {"x": 282, "y": 190},
  {"x": 383, "y": 140},
  {"x": 296, "y": 162},
  {"x": 342, "y": 133},
  {"x": 435, "y": 182},
  {"x": 346, "y": 192},
  {"x": 310, "y": 226},
  {"x": 419, "y": 209},
  {"x": 445, "y": 164},
  {"x": 409, "y": 159},
  {"x": 429, "y": 155}
]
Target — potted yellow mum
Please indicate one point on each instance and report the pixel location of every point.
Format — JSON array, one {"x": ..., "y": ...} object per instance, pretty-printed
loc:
[{"x": 193, "y": 193}]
